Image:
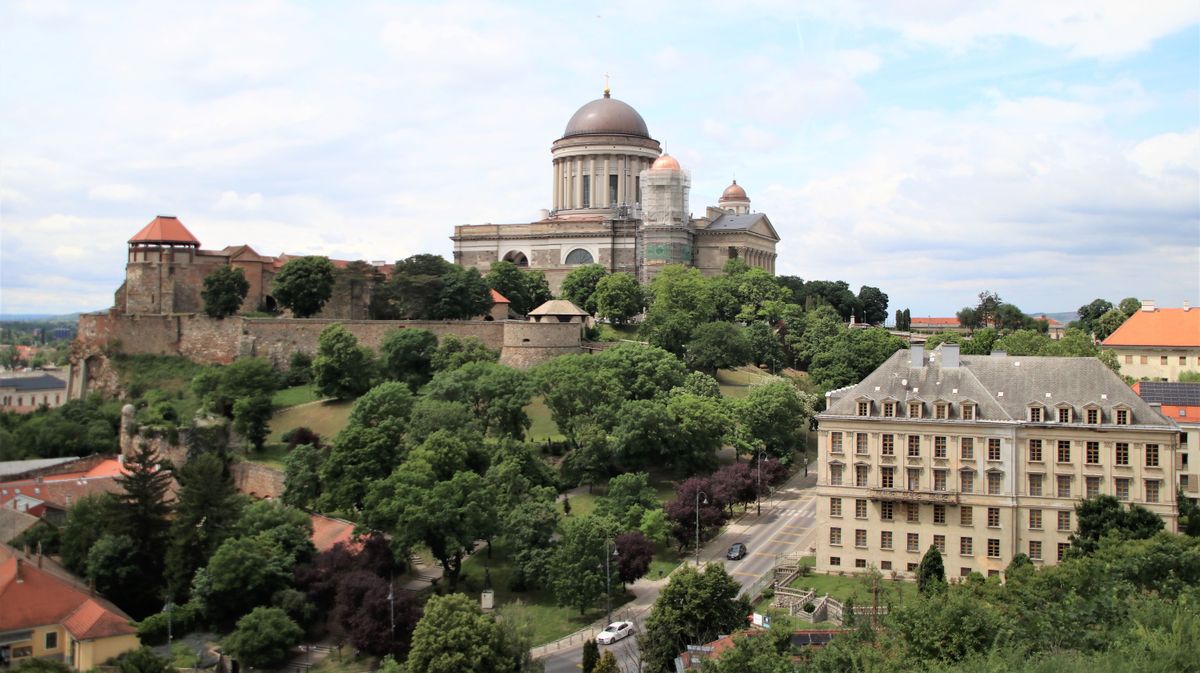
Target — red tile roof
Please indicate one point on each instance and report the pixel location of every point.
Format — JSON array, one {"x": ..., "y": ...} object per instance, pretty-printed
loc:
[
  {"x": 328, "y": 532},
  {"x": 498, "y": 298},
  {"x": 60, "y": 493},
  {"x": 165, "y": 229},
  {"x": 34, "y": 596},
  {"x": 92, "y": 620},
  {"x": 1161, "y": 328},
  {"x": 935, "y": 322}
]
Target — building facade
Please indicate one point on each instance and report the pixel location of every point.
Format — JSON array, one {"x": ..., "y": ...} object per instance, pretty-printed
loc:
[
  {"x": 984, "y": 457},
  {"x": 1158, "y": 344},
  {"x": 616, "y": 200},
  {"x": 1179, "y": 402},
  {"x": 23, "y": 394}
]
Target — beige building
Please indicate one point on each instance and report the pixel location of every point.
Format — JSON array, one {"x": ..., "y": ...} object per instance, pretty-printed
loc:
[
  {"x": 983, "y": 456},
  {"x": 23, "y": 394},
  {"x": 1158, "y": 344},
  {"x": 1179, "y": 402},
  {"x": 616, "y": 200}
]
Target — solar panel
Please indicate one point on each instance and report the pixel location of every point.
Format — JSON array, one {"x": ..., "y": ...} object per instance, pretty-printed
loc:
[{"x": 1171, "y": 393}]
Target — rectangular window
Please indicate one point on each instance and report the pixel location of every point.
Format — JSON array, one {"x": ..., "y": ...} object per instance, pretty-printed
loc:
[
  {"x": 966, "y": 482},
  {"x": 967, "y": 448},
  {"x": 1128, "y": 359},
  {"x": 835, "y": 475},
  {"x": 886, "y": 510},
  {"x": 889, "y": 409},
  {"x": 1122, "y": 417},
  {"x": 993, "y": 517},
  {"x": 995, "y": 483},
  {"x": 864, "y": 408},
  {"x": 914, "y": 409},
  {"x": 966, "y": 516},
  {"x": 835, "y": 560},
  {"x": 939, "y": 514},
  {"x": 939, "y": 411},
  {"x": 1035, "y": 518},
  {"x": 860, "y": 444},
  {"x": 860, "y": 563},
  {"x": 52, "y": 640},
  {"x": 1064, "y": 451},
  {"x": 993, "y": 549},
  {"x": 939, "y": 447},
  {"x": 966, "y": 546},
  {"x": 1183, "y": 359},
  {"x": 1064, "y": 521},
  {"x": 914, "y": 446},
  {"x": 993, "y": 449},
  {"x": 888, "y": 447},
  {"x": 968, "y": 412},
  {"x": 1162, "y": 360},
  {"x": 637, "y": 187},
  {"x": 1122, "y": 457},
  {"x": 1064, "y": 415},
  {"x": 587, "y": 191},
  {"x": 1152, "y": 455},
  {"x": 1062, "y": 549},
  {"x": 1122, "y": 488},
  {"x": 1035, "y": 550},
  {"x": 860, "y": 475},
  {"x": 1143, "y": 359},
  {"x": 939, "y": 480},
  {"x": 914, "y": 542},
  {"x": 914, "y": 479},
  {"x": 1064, "y": 485},
  {"x": 835, "y": 536},
  {"x": 1152, "y": 490},
  {"x": 1093, "y": 487},
  {"x": 939, "y": 541},
  {"x": 860, "y": 537},
  {"x": 885, "y": 565},
  {"x": 1092, "y": 453},
  {"x": 885, "y": 539},
  {"x": 1035, "y": 414},
  {"x": 887, "y": 477},
  {"x": 912, "y": 567},
  {"x": 860, "y": 509},
  {"x": 1093, "y": 416},
  {"x": 612, "y": 189},
  {"x": 1035, "y": 484},
  {"x": 835, "y": 507},
  {"x": 1035, "y": 450},
  {"x": 835, "y": 442},
  {"x": 912, "y": 512}
]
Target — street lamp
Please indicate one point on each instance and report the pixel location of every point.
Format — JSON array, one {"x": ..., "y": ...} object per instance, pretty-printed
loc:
[
  {"x": 608, "y": 557},
  {"x": 698, "y": 494},
  {"x": 758, "y": 493},
  {"x": 167, "y": 609}
]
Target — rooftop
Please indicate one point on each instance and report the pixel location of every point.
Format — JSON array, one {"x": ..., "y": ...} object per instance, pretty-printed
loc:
[
  {"x": 165, "y": 229},
  {"x": 40, "y": 382},
  {"x": 38, "y": 592},
  {"x": 1159, "y": 327}
]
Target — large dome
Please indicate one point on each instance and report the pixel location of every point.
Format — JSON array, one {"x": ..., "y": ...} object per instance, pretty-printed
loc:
[{"x": 606, "y": 116}]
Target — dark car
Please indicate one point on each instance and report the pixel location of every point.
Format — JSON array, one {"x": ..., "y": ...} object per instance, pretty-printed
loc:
[{"x": 736, "y": 552}]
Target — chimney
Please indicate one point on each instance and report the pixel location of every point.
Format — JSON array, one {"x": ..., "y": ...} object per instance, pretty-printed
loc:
[
  {"x": 1186, "y": 307},
  {"x": 918, "y": 355},
  {"x": 20, "y": 578},
  {"x": 1148, "y": 305},
  {"x": 950, "y": 355}
]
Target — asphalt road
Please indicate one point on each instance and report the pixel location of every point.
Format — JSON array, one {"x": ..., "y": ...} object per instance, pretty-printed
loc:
[{"x": 786, "y": 521}]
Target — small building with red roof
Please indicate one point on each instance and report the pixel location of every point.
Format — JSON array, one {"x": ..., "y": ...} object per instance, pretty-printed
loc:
[
  {"x": 1158, "y": 344},
  {"x": 935, "y": 325},
  {"x": 46, "y": 612}
]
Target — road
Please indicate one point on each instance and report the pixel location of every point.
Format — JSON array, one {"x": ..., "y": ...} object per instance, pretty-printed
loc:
[{"x": 786, "y": 523}]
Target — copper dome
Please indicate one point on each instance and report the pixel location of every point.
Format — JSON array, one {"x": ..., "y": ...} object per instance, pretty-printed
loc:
[
  {"x": 605, "y": 116},
  {"x": 733, "y": 192},
  {"x": 667, "y": 162}
]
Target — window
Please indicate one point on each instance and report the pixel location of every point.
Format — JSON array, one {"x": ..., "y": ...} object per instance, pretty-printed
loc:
[
  {"x": 1152, "y": 455},
  {"x": 912, "y": 512},
  {"x": 939, "y": 447},
  {"x": 1122, "y": 457},
  {"x": 1035, "y": 450},
  {"x": 579, "y": 256},
  {"x": 964, "y": 572},
  {"x": 835, "y": 560},
  {"x": 914, "y": 479},
  {"x": 637, "y": 188},
  {"x": 939, "y": 541},
  {"x": 1062, "y": 549},
  {"x": 993, "y": 449},
  {"x": 886, "y": 510},
  {"x": 939, "y": 514},
  {"x": 966, "y": 482},
  {"x": 1093, "y": 416},
  {"x": 1035, "y": 550},
  {"x": 835, "y": 442},
  {"x": 587, "y": 191},
  {"x": 885, "y": 565},
  {"x": 939, "y": 480},
  {"x": 1092, "y": 453},
  {"x": 1183, "y": 359},
  {"x": 1143, "y": 359},
  {"x": 864, "y": 408},
  {"x": 995, "y": 483},
  {"x": 1162, "y": 360},
  {"x": 1064, "y": 415},
  {"x": 1128, "y": 359},
  {"x": 967, "y": 448},
  {"x": 1152, "y": 490},
  {"x": 860, "y": 537},
  {"x": 1064, "y": 451},
  {"x": 860, "y": 444},
  {"x": 968, "y": 412},
  {"x": 914, "y": 542},
  {"x": 889, "y": 409},
  {"x": 835, "y": 536},
  {"x": 1093, "y": 487},
  {"x": 966, "y": 516},
  {"x": 1064, "y": 520},
  {"x": 612, "y": 189},
  {"x": 52, "y": 640},
  {"x": 914, "y": 446},
  {"x": 885, "y": 539},
  {"x": 993, "y": 517},
  {"x": 835, "y": 475},
  {"x": 1122, "y": 417},
  {"x": 939, "y": 411},
  {"x": 912, "y": 567},
  {"x": 993, "y": 547},
  {"x": 860, "y": 563},
  {"x": 887, "y": 477},
  {"x": 1064, "y": 485},
  {"x": 914, "y": 409},
  {"x": 966, "y": 546},
  {"x": 1035, "y": 414},
  {"x": 1122, "y": 488},
  {"x": 1035, "y": 484},
  {"x": 860, "y": 475},
  {"x": 888, "y": 446},
  {"x": 860, "y": 509},
  {"x": 1035, "y": 518},
  {"x": 835, "y": 507}
]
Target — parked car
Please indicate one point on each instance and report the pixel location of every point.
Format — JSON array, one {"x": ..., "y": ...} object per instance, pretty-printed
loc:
[
  {"x": 614, "y": 632},
  {"x": 736, "y": 552}
]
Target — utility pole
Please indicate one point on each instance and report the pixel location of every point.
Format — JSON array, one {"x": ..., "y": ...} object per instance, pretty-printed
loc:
[
  {"x": 698, "y": 494},
  {"x": 758, "y": 493}
]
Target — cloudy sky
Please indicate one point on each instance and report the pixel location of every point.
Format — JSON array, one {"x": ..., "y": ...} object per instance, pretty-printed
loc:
[{"x": 1048, "y": 151}]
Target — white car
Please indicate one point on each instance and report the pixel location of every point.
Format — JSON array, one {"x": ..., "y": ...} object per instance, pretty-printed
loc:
[{"x": 614, "y": 632}]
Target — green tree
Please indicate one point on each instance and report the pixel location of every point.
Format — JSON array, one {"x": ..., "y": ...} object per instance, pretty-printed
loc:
[
  {"x": 873, "y": 304},
  {"x": 264, "y": 638},
  {"x": 454, "y": 636},
  {"x": 577, "y": 569},
  {"x": 143, "y": 660},
  {"x": 245, "y": 572},
  {"x": 463, "y": 295},
  {"x": 224, "y": 291},
  {"x": 931, "y": 573},
  {"x": 644, "y": 372},
  {"x": 700, "y": 385},
  {"x": 629, "y": 497},
  {"x": 141, "y": 515},
  {"x": 1189, "y": 515},
  {"x": 1108, "y": 323},
  {"x": 453, "y": 353},
  {"x": 112, "y": 567},
  {"x": 303, "y": 285},
  {"x": 717, "y": 345},
  {"x": 645, "y": 434},
  {"x": 86, "y": 522},
  {"x": 252, "y": 417},
  {"x": 591, "y": 655},
  {"x": 946, "y": 628},
  {"x": 221, "y": 387},
  {"x": 579, "y": 286},
  {"x": 580, "y": 392},
  {"x": 359, "y": 456},
  {"x": 342, "y": 368},
  {"x": 777, "y": 415},
  {"x": 1129, "y": 306},
  {"x": 206, "y": 507},
  {"x": 1089, "y": 314},
  {"x": 851, "y": 356},
  {"x": 694, "y": 607},
  {"x": 1104, "y": 515},
  {"x": 607, "y": 663},
  {"x": 302, "y": 480},
  {"x": 287, "y": 527},
  {"x": 525, "y": 290},
  {"x": 756, "y": 652},
  {"x": 702, "y": 425},
  {"x": 407, "y": 355},
  {"x": 618, "y": 297},
  {"x": 765, "y": 348},
  {"x": 495, "y": 393}
]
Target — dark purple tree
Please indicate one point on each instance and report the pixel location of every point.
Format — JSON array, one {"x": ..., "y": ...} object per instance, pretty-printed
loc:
[
  {"x": 363, "y": 612},
  {"x": 773, "y": 472},
  {"x": 635, "y": 551},
  {"x": 734, "y": 484},
  {"x": 681, "y": 511}
]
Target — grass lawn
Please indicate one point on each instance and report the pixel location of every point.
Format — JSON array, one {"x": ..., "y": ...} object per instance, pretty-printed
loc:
[
  {"x": 666, "y": 560},
  {"x": 543, "y": 426},
  {"x": 272, "y": 455},
  {"x": 617, "y": 332},
  {"x": 781, "y": 619},
  {"x": 582, "y": 504},
  {"x": 324, "y": 418},
  {"x": 842, "y": 587},
  {"x": 345, "y": 662},
  {"x": 290, "y": 397}
]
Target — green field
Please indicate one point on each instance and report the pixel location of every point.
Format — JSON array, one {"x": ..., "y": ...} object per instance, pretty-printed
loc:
[
  {"x": 324, "y": 418},
  {"x": 843, "y": 587},
  {"x": 290, "y": 397},
  {"x": 543, "y": 426}
]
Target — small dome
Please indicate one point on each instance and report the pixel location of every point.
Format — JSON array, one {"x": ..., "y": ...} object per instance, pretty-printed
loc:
[
  {"x": 734, "y": 192},
  {"x": 606, "y": 116},
  {"x": 665, "y": 162}
]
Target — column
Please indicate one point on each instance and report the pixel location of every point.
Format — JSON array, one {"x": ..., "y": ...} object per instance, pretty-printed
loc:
[
  {"x": 622, "y": 177},
  {"x": 577, "y": 191},
  {"x": 554, "y": 188},
  {"x": 607, "y": 162}
]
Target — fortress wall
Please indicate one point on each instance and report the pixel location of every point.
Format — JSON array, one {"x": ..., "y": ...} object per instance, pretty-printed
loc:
[
  {"x": 277, "y": 339},
  {"x": 527, "y": 343}
]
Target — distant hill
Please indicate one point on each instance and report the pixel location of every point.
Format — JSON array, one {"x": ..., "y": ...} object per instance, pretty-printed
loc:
[
  {"x": 38, "y": 317},
  {"x": 1063, "y": 317}
]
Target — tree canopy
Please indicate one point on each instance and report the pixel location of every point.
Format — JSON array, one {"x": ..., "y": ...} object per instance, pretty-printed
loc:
[
  {"x": 224, "y": 290},
  {"x": 304, "y": 284}
]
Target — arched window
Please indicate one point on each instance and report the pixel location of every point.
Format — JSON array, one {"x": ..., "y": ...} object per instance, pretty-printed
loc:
[
  {"x": 517, "y": 257},
  {"x": 579, "y": 256}
]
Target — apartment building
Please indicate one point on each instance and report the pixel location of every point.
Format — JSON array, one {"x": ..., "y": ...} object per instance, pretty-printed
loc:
[
  {"x": 983, "y": 456},
  {"x": 1158, "y": 344},
  {"x": 1179, "y": 402}
]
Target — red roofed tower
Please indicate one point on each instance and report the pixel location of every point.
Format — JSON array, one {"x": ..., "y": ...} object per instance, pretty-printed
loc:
[{"x": 156, "y": 254}]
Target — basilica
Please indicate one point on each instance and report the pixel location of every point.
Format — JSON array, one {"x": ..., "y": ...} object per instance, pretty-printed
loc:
[{"x": 618, "y": 201}]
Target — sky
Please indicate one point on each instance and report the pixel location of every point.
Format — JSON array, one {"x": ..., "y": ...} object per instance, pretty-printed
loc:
[{"x": 1045, "y": 151}]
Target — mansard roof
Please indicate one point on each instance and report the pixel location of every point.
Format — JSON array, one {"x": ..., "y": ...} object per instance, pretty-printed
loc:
[{"x": 165, "y": 229}]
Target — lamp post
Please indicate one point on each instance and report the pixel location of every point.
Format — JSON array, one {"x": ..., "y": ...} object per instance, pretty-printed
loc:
[
  {"x": 608, "y": 557},
  {"x": 758, "y": 493},
  {"x": 698, "y": 494},
  {"x": 167, "y": 609}
]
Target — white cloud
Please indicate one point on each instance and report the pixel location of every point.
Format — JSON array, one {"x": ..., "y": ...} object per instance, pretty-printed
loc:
[
  {"x": 1177, "y": 153},
  {"x": 230, "y": 200},
  {"x": 116, "y": 192}
]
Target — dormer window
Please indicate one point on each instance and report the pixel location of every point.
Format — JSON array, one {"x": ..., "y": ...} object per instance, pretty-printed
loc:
[
  {"x": 1092, "y": 414},
  {"x": 1064, "y": 414},
  {"x": 939, "y": 411},
  {"x": 864, "y": 408},
  {"x": 914, "y": 409},
  {"x": 1122, "y": 416},
  {"x": 889, "y": 409},
  {"x": 1035, "y": 414},
  {"x": 968, "y": 411}
]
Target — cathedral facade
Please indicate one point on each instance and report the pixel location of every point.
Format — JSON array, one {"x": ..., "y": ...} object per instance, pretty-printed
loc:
[{"x": 618, "y": 201}]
